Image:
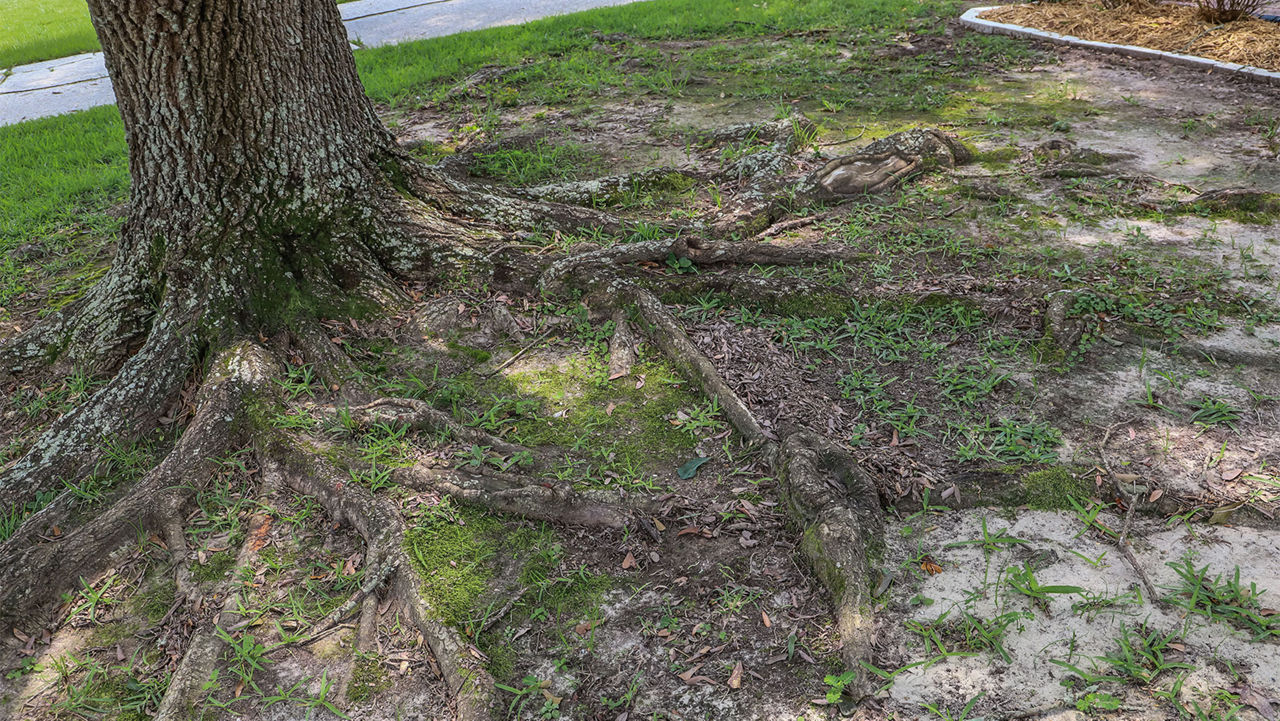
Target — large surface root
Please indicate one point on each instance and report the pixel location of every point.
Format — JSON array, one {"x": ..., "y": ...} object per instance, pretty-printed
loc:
[
  {"x": 508, "y": 494},
  {"x": 420, "y": 416},
  {"x": 379, "y": 523},
  {"x": 94, "y": 334},
  {"x": 187, "y": 685},
  {"x": 127, "y": 407},
  {"x": 34, "y": 571},
  {"x": 828, "y": 496}
]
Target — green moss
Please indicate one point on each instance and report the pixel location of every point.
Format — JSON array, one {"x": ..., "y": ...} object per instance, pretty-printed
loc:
[
  {"x": 479, "y": 355},
  {"x": 574, "y": 402},
  {"x": 997, "y": 158},
  {"x": 453, "y": 558},
  {"x": 368, "y": 678},
  {"x": 109, "y": 634},
  {"x": 215, "y": 568},
  {"x": 1243, "y": 207},
  {"x": 826, "y": 570},
  {"x": 1054, "y": 488}
]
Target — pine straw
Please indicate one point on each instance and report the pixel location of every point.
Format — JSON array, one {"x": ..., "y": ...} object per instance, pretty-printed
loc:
[{"x": 1161, "y": 26}]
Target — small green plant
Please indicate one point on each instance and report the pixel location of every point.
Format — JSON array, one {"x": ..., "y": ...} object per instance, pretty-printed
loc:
[
  {"x": 1023, "y": 580},
  {"x": 681, "y": 265},
  {"x": 1209, "y": 412},
  {"x": 529, "y": 689},
  {"x": 245, "y": 657},
  {"x": 1140, "y": 655},
  {"x": 947, "y": 715},
  {"x": 990, "y": 541},
  {"x": 837, "y": 683},
  {"x": 1097, "y": 701},
  {"x": 1224, "y": 599}
]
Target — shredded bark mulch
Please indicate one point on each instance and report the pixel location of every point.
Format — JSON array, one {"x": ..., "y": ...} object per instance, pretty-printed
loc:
[{"x": 1161, "y": 26}]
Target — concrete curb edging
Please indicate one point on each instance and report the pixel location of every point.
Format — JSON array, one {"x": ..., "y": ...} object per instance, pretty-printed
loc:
[{"x": 971, "y": 20}]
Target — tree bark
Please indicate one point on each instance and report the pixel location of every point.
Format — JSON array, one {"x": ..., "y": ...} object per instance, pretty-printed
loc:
[{"x": 253, "y": 152}]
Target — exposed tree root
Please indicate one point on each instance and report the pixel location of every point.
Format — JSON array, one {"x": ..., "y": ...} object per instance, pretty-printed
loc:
[
  {"x": 33, "y": 572},
  {"x": 601, "y": 190},
  {"x": 472, "y": 201},
  {"x": 420, "y": 416},
  {"x": 838, "y": 509},
  {"x": 835, "y": 503},
  {"x": 187, "y": 686},
  {"x": 599, "y": 267},
  {"x": 667, "y": 334},
  {"x": 127, "y": 407},
  {"x": 380, "y": 524},
  {"x": 828, "y": 497},
  {"x": 95, "y": 333},
  {"x": 507, "y": 494}
]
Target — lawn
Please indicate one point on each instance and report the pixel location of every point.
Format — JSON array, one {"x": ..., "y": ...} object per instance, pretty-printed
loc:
[
  {"x": 1011, "y": 350},
  {"x": 37, "y": 30},
  {"x": 60, "y": 176}
]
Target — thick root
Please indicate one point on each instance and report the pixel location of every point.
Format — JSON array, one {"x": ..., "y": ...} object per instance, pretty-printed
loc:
[
  {"x": 94, "y": 334},
  {"x": 380, "y": 524},
  {"x": 507, "y": 494},
  {"x": 667, "y": 334},
  {"x": 187, "y": 685},
  {"x": 828, "y": 496},
  {"x": 472, "y": 201},
  {"x": 599, "y": 268},
  {"x": 127, "y": 407},
  {"x": 601, "y": 190},
  {"x": 33, "y": 573},
  {"x": 838, "y": 508},
  {"x": 420, "y": 416}
]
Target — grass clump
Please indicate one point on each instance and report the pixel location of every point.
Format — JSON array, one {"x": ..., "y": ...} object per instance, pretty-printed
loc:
[
  {"x": 1055, "y": 488},
  {"x": 1225, "y": 599},
  {"x": 537, "y": 163}
]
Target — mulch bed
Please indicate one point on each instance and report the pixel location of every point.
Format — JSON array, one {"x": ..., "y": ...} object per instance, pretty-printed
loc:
[{"x": 1161, "y": 26}]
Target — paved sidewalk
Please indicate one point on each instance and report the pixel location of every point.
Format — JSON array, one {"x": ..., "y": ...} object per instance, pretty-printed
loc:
[{"x": 54, "y": 87}]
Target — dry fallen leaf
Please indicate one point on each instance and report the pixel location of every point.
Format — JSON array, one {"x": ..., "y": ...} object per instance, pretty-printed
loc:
[
  {"x": 930, "y": 566},
  {"x": 1231, "y": 474},
  {"x": 1155, "y": 495},
  {"x": 735, "y": 677},
  {"x": 258, "y": 538},
  {"x": 629, "y": 561},
  {"x": 765, "y": 617},
  {"x": 585, "y": 627}
]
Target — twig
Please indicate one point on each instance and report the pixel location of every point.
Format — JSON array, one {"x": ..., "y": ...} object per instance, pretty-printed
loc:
[
  {"x": 330, "y": 622},
  {"x": 517, "y": 355},
  {"x": 515, "y": 598},
  {"x": 1122, "y": 540}
]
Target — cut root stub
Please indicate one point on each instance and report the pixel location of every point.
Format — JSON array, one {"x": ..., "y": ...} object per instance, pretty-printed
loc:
[{"x": 838, "y": 507}]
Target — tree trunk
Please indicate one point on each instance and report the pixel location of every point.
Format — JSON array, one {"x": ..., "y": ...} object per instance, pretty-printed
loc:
[{"x": 253, "y": 151}]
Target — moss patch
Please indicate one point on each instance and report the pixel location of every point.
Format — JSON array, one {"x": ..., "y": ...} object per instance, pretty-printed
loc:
[
  {"x": 1055, "y": 488},
  {"x": 452, "y": 554},
  {"x": 368, "y": 678},
  {"x": 215, "y": 568}
]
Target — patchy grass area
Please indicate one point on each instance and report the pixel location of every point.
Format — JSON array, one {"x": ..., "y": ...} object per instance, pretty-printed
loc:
[{"x": 1016, "y": 351}]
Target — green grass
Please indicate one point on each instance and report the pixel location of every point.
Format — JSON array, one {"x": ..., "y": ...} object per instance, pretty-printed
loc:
[
  {"x": 60, "y": 176},
  {"x": 37, "y": 30},
  {"x": 401, "y": 72}
]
